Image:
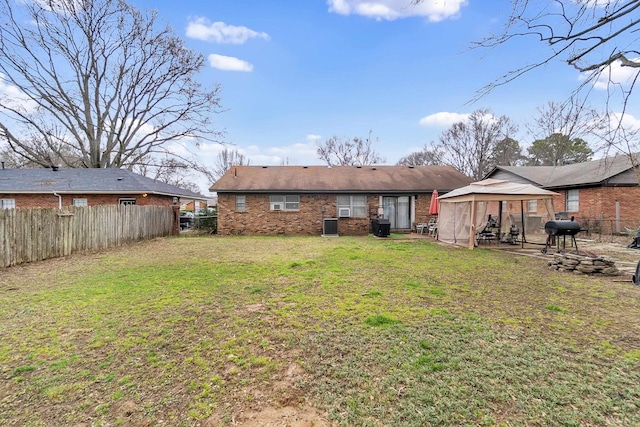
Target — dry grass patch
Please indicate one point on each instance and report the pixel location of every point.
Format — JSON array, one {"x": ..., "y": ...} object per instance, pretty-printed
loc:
[{"x": 351, "y": 331}]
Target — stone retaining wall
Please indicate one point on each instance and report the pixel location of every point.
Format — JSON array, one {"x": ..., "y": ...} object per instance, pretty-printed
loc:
[{"x": 579, "y": 264}]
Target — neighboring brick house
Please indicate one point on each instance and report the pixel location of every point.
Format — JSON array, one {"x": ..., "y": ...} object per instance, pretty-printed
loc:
[
  {"x": 604, "y": 190},
  {"x": 59, "y": 188},
  {"x": 194, "y": 205},
  {"x": 270, "y": 200}
]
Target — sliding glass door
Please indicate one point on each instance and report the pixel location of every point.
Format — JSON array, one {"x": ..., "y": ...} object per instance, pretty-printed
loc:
[{"x": 398, "y": 211}]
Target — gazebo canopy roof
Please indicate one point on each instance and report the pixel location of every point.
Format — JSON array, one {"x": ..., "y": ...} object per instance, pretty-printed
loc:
[{"x": 496, "y": 190}]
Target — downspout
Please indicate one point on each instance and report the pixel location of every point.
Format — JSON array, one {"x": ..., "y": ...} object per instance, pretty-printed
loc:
[{"x": 59, "y": 200}]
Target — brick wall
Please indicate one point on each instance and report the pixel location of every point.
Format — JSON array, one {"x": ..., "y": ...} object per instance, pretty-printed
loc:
[
  {"x": 599, "y": 203},
  {"x": 194, "y": 206},
  {"x": 25, "y": 201},
  {"x": 422, "y": 208},
  {"x": 258, "y": 219}
]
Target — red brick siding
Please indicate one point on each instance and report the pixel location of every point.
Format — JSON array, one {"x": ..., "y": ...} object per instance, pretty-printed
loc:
[
  {"x": 25, "y": 201},
  {"x": 258, "y": 219},
  {"x": 422, "y": 208},
  {"x": 193, "y": 206},
  {"x": 600, "y": 203}
]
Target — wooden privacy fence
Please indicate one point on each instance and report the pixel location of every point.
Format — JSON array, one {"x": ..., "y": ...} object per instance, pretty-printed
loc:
[{"x": 28, "y": 235}]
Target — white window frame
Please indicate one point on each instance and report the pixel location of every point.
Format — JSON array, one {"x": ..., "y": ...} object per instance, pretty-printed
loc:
[
  {"x": 532, "y": 206},
  {"x": 81, "y": 202},
  {"x": 7, "y": 203},
  {"x": 241, "y": 203},
  {"x": 127, "y": 201},
  {"x": 572, "y": 200},
  {"x": 284, "y": 202},
  {"x": 356, "y": 203}
]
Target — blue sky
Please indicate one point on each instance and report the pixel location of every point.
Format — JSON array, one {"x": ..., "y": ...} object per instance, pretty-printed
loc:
[
  {"x": 302, "y": 71},
  {"x": 294, "y": 72}
]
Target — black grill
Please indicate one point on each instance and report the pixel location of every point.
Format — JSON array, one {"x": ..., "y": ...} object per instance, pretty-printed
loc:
[{"x": 562, "y": 228}]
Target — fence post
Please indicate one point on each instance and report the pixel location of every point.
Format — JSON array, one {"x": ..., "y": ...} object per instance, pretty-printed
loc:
[{"x": 176, "y": 220}]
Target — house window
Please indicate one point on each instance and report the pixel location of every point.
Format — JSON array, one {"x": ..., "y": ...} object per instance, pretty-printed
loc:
[
  {"x": 284, "y": 203},
  {"x": 572, "y": 202},
  {"x": 127, "y": 201},
  {"x": 241, "y": 203},
  {"x": 532, "y": 206},
  {"x": 80, "y": 202},
  {"x": 352, "y": 206},
  {"x": 7, "y": 203}
]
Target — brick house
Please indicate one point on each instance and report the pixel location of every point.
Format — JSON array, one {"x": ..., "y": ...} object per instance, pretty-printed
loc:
[
  {"x": 604, "y": 190},
  {"x": 270, "y": 200},
  {"x": 59, "y": 188}
]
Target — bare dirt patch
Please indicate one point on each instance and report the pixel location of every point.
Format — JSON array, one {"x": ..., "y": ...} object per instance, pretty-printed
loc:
[{"x": 283, "y": 417}]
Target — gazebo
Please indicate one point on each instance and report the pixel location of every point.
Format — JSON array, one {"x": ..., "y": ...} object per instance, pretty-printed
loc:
[{"x": 464, "y": 211}]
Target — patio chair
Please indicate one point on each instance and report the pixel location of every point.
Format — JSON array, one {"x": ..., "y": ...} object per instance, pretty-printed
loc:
[
  {"x": 421, "y": 226},
  {"x": 430, "y": 226},
  {"x": 433, "y": 229},
  {"x": 488, "y": 235}
]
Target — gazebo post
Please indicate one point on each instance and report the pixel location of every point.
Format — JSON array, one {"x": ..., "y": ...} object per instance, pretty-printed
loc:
[
  {"x": 500, "y": 220},
  {"x": 472, "y": 224},
  {"x": 522, "y": 216}
]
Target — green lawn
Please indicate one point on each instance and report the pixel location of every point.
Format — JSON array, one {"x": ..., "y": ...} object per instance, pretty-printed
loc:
[{"x": 365, "y": 331}]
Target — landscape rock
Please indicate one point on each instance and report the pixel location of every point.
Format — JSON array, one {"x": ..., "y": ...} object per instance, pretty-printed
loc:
[{"x": 580, "y": 264}]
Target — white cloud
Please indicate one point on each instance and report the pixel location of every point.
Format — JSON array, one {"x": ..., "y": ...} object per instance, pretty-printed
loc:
[
  {"x": 229, "y": 63},
  {"x": 296, "y": 153},
  {"x": 313, "y": 138},
  {"x": 443, "y": 119},
  {"x": 202, "y": 29},
  {"x": 433, "y": 10},
  {"x": 12, "y": 97},
  {"x": 592, "y": 3},
  {"x": 626, "y": 120},
  {"x": 614, "y": 74}
]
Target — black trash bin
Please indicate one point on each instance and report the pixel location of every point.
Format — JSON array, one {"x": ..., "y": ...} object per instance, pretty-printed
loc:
[{"x": 381, "y": 227}]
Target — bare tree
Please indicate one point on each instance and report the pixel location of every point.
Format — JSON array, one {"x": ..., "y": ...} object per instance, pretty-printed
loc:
[
  {"x": 560, "y": 129},
  {"x": 470, "y": 146},
  {"x": 623, "y": 139},
  {"x": 428, "y": 156},
  {"x": 572, "y": 118},
  {"x": 169, "y": 170},
  {"x": 10, "y": 159},
  {"x": 226, "y": 159},
  {"x": 62, "y": 155},
  {"x": 593, "y": 36},
  {"x": 349, "y": 152},
  {"x": 98, "y": 81}
]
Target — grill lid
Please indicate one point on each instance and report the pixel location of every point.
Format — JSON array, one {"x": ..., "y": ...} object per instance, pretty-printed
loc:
[{"x": 562, "y": 228}]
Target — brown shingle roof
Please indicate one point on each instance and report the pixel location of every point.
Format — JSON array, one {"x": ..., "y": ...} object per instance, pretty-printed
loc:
[{"x": 340, "y": 179}]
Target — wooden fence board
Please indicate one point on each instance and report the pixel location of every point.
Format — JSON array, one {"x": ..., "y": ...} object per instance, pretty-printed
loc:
[{"x": 28, "y": 235}]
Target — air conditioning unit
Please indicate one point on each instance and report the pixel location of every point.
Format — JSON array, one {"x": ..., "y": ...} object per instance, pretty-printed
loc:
[
  {"x": 277, "y": 207},
  {"x": 330, "y": 227},
  {"x": 344, "y": 212}
]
